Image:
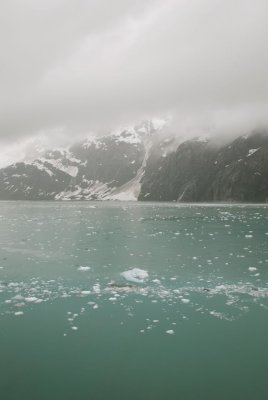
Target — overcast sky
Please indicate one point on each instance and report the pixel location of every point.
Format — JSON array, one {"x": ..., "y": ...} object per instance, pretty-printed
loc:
[{"x": 69, "y": 67}]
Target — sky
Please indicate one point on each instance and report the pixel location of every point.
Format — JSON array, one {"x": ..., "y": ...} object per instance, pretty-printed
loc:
[{"x": 73, "y": 67}]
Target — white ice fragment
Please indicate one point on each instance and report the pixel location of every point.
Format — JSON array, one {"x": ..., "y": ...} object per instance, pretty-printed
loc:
[
  {"x": 85, "y": 292},
  {"x": 185, "y": 301},
  {"x": 135, "y": 275},
  {"x": 17, "y": 313},
  {"x": 18, "y": 297},
  {"x": 220, "y": 287},
  {"x": 81, "y": 268},
  {"x": 96, "y": 288},
  {"x": 74, "y": 328},
  {"x": 170, "y": 332},
  {"x": 31, "y": 299},
  {"x": 252, "y": 269}
]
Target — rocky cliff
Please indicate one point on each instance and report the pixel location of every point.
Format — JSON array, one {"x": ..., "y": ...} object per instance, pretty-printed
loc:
[{"x": 200, "y": 170}]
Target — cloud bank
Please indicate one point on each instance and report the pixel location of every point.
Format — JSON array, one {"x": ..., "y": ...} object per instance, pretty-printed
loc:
[{"x": 70, "y": 67}]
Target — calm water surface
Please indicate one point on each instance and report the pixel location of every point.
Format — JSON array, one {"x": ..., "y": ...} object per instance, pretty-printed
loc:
[{"x": 187, "y": 321}]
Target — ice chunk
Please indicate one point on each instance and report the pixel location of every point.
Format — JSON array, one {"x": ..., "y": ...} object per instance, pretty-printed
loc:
[
  {"x": 135, "y": 275},
  {"x": 96, "y": 288},
  {"x": 81, "y": 268},
  {"x": 85, "y": 292},
  {"x": 31, "y": 299},
  {"x": 18, "y": 297},
  {"x": 170, "y": 332}
]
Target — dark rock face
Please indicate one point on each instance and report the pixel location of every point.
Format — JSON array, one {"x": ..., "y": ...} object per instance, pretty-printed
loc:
[
  {"x": 178, "y": 176},
  {"x": 198, "y": 171},
  {"x": 22, "y": 181},
  {"x": 242, "y": 171}
]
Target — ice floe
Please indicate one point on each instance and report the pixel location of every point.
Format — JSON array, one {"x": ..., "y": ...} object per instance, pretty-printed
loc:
[
  {"x": 170, "y": 332},
  {"x": 135, "y": 275},
  {"x": 81, "y": 268}
]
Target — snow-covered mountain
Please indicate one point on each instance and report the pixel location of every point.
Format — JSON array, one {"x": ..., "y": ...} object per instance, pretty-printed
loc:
[
  {"x": 140, "y": 163},
  {"x": 98, "y": 168}
]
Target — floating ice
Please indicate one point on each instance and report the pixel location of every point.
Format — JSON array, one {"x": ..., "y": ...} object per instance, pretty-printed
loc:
[
  {"x": 18, "y": 297},
  {"x": 81, "y": 268},
  {"x": 96, "y": 288},
  {"x": 135, "y": 275},
  {"x": 85, "y": 292},
  {"x": 18, "y": 313},
  {"x": 185, "y": 301},
  {"x": 252, "y": 269},
  {"x": 31, "y": 299},
  {"x": 170, "y": 332}
]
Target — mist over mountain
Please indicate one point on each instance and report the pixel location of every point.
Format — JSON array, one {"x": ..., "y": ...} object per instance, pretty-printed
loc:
[
  {"x": 145, "y": 163},
  {"x": 70, "y": 68}
]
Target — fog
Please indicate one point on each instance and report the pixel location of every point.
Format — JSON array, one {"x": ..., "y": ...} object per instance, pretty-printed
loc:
[{"x": 69, "y": 68}]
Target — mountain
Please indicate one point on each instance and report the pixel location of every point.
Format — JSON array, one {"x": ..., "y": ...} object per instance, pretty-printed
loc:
[
  {"x": 98, "y": 168},
  {"x": 138, "y": 164},
  {"x": 200, "y": 171}
]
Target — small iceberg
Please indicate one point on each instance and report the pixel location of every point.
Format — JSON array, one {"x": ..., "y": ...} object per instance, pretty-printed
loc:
[
  {"x": 81, "y": 268},
  {"x": 170, "y": 332},
  {"x": 135, "y": 275}
]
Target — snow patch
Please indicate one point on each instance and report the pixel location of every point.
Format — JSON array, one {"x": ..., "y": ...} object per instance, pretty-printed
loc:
[{"x": 252, "y": 151}]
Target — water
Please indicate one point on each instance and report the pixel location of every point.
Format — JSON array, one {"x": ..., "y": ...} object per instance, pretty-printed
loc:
[{"x": 72, "y": 327}]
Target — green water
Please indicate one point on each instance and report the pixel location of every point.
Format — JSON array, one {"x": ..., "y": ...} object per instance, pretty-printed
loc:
[{"x": 195, "y": 328}]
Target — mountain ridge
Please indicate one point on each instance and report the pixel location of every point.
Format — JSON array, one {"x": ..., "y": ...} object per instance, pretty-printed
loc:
[{"x": 139, "y": 164}]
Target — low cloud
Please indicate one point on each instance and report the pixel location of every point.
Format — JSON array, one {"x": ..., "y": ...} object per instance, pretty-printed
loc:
[{"x": 72, "y": 67}]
